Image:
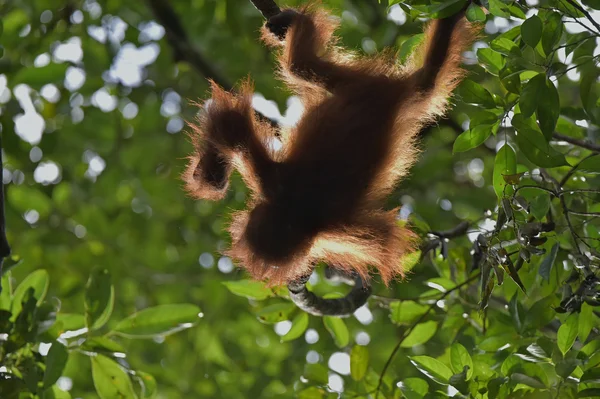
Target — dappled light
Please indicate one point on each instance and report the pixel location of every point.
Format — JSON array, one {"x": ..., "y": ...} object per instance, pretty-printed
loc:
[{"x": 481, "y": 268}]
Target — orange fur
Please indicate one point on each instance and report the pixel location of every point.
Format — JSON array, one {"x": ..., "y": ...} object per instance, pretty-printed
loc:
[{"x": 320, "y": 198}]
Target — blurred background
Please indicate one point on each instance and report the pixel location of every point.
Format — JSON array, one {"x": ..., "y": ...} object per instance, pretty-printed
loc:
[{"x": 94, "y": 99}]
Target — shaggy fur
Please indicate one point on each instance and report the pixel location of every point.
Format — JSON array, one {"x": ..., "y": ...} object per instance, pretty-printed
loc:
[{"x": 321, "y": 197}]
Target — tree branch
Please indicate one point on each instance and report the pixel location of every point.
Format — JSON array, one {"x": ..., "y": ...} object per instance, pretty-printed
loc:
[
  {"x": 572, "y": 171},
  {"x": 415, "y": 324},
  {"x": 183, "y": 50},
  {"x": 580, "y": 143},
  {"x": 268, "y": 8},
  {"x": 584, "y": 12}
]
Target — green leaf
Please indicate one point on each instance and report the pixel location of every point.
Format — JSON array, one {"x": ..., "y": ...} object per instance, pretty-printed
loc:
[
  {"x": 110, "y": 380},
  {"x": 408, "y": 47},
  {"x": 316, "y": 372},
  {"x": 99, "y": 299},
  {"x": 513, "y": 273},
  {"x": 414, "y": 388},
  {"x": 569, "y": 9},
  {"x": 404, "y": 312},
  {"x": 510, "y": 76},
  {"x": 39, "y": 281},
  {"x": 410, "y": 260},
  {"x": 540, "y": 205},
  {"x": 589, "y": 393},
  {"x": 6, "y": 292},
  {"x": 38, "y": 77},
  {"x": 531, "y": 30},
  {"x": 422, "y": 333},
  {"x": 587, "y": 320},
  {"x": 505, "y": 164},
  {"x": 595, "y": 4},
  {"x": 535, "y": 147},
  {"x": 149, "y": 386},
  {"x": 299, "y": 325},
  {"x": 499, "y": 9},
  {"x": 590, "y": 165},
  {"x": 249, "y": 289},
  {"x": 548, "y": 108},
  {"x": 158, "y": 321},
  {"x": 472, "y": 138},
  {"x": 565, "y": 367},
  {"x": 359, "y": 362},
  {"x": 553, "y": 29},
  {"x": 432, "y": 368},
  {"x": 338, "y": 330},
  {"x": 102, "y": 344},
  {"x": 491, "y": 60},
  {"x": 70, "y": 321},
  {"x": 533, "y": 382},
  {"x": 567, "y": 333},
  {"x": 459, "y": 358},
  {"x": 474, "y": 93},
  {"x": 591, "y": 376},
  {"x": 312, "y": 393},
  {"x": 541, "y": 313},
  {"x": 548, "y": 262},
  {"x": 276, "y": 312},
  {"x": 56, "y": 360},
  {"x": 505, "y": 46},
  {"x": 445, "y": 9},
  {"x": 475, "y": 13},
  {"x": 528, "y": 102},
  {"x": 55, "y": 392},
  {"x": 516, "y": 312},
  {"x": 480, "y": 117}
]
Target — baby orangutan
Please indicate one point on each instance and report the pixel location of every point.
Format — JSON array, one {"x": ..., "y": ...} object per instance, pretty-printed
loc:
[{"x": 320, "y": 198}]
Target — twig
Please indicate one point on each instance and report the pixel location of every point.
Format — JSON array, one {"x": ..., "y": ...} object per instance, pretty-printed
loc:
[
  {"x": 580, "y": 143},
  {"x": 584, "y": 12},
  {"x": 583, "y": 213},
  {"x": 572, "y": 170},
  {"x": 456, "y": 231},
  {"x": 579, "y": 190},
  {"x": 4, "y": 246},
  {"x": 414, "y": 325},
  {"x": 554, "y": 193},
  {"x": 180, "y": 43},
  {"x": 183, "y": 50},
  {"x": 268, "y": 8}
]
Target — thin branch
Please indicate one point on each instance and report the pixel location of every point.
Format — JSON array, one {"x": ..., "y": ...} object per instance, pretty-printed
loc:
[
  {"x": 183, "y": 50},
  {"x": 554, "y": 193},
  {"x": 575, "y": 236},
  {"x": 268, "y": 8},
  {"x": 573, "y": 170},
  {"x": 580, "y": 143},
  {"x": 579, "y": 190},
  {"x": 414, "y": 325},
  {"x": 584, "y": 12},
  {"x": 179, "y": 41},
  {"x": 576, "y": 66},
  {"x": 583, "y": 213},
  {"x": 456, "y": 231}
]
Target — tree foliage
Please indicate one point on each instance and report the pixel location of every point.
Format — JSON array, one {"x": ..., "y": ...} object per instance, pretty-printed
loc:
[{"x": 116, "y": 288}]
